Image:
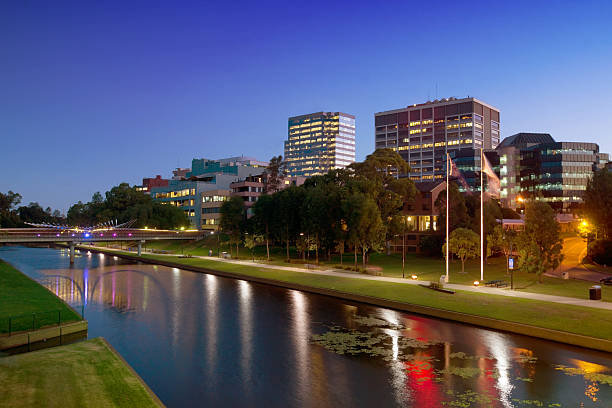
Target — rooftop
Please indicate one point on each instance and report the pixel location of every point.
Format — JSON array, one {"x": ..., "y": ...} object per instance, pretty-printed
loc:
[{"x": 526, "y": 139}]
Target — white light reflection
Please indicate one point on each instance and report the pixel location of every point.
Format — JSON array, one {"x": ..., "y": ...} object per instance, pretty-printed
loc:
[
  {"x": 211, "y": 324},
  {"x": 301, "y": 334},
  {"x": 398, "y": 370},
  {"x": 246, "y": 334},
  {"x": 176, "y": 306},
  {"x": 500, "y": 348}
]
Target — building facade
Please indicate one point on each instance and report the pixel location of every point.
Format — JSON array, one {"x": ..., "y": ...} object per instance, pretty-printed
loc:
[
  {"x": 558, "y": 172},
  {"x": 423, "y": 133},
  {"x": 211, "y": 202},
  {"x": 148, "y": 183},
  {"x": 319, "y": 142},
  {"x": 534, "y": 165},
  {"x": 421, "y": 217}
]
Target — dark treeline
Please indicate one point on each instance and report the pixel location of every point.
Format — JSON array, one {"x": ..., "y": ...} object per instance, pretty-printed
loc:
[
  {"x": 122, "y": 203},
  {"x": 14, "y": 216}
]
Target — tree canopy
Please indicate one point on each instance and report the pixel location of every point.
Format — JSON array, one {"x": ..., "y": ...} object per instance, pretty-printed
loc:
[
  {"x": 597, "y": 206},
  {"x": 539, "y": 245},
  {"x": 464, "y": 243},
  {"x": 124, "y": 203}
]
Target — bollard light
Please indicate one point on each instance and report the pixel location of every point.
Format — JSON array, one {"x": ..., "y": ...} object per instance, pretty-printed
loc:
[
  {"x": 476, "y": 283},
  {"x": 414, "y": 277}
]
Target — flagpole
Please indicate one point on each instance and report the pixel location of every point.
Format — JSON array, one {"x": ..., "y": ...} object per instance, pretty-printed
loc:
[
  {"x": 481, "y": 216},
  {"x": 447, "y": 205}
]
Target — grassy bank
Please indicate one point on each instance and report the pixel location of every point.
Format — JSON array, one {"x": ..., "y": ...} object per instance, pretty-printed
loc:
[
  {"x": 84, "y": 374},
  {"x": 568, "y": 318},
  {"x": 426, "y": 268},
  {"x": 20, "y": 297}
]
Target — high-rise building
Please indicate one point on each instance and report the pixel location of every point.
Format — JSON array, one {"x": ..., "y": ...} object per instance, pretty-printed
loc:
[
  {"x": 423, "y": 133},
  {"x": 319, "y": 142}
]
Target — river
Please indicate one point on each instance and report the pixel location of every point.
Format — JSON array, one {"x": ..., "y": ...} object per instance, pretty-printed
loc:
[{"x": 203, "y": 340}]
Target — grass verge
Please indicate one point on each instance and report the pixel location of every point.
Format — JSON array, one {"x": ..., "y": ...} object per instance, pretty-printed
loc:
[
  {"x": 427, "y": 268},
  {"x": 84, "y": 374},
  {"x": 20, "y": 297}
]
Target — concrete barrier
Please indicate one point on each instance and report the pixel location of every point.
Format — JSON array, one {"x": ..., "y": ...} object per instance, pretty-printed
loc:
[{"x": 44, "y": 334}]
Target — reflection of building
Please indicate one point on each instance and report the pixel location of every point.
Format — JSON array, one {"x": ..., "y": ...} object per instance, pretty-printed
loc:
[
  {"x": 422, "y": 217},
  {"x": 319, "y": 142},
  {"x": 211, "y": 207},
  {"x": 423, "y": 133},
  {"x": 534, "y": 165}
]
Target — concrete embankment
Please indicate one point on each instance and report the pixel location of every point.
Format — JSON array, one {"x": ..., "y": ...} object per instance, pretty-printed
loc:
[
  {"x": 46, "y": 334},
  {"x": 486, "y": 322}
]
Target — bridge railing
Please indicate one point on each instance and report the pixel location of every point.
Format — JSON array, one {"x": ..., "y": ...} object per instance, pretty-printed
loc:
[
  {"x": 33, "y": 321},
  {"x": 84, "y": 236}
]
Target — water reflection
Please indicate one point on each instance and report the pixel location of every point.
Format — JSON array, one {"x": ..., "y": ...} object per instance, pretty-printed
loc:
[
  {"x": 301, "y": 333},
  {"x": 204, "y": 340},
  {"x": 246, "y": 334},
  {"x": 500, "y": 349}
]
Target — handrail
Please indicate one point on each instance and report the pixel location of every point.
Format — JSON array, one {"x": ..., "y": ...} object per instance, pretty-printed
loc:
[{"x": 32, "y": 324}]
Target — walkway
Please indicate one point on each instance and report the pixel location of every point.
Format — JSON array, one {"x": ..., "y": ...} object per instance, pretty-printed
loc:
[
  {"x": 345, "y": 274},
  {"x": 574, "y": 250}
]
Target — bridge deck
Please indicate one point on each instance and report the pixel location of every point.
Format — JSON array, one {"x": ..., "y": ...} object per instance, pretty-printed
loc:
[{"x": 33, "y": 235}]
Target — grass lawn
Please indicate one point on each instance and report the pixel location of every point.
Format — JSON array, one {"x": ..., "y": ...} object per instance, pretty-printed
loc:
[
  {"x": 84, "y": 374},
  {"x": 426, "y": 268},
  {"x": 21, "y": 296},
  {"x": 574, "y": 319}
]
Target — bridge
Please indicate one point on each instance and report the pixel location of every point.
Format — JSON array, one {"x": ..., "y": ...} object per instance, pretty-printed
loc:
[{"x": 75, "y": 236}]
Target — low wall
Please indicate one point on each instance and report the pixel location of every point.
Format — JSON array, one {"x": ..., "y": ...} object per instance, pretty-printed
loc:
[
  {"x": 487, "y": 322},
  {"x": 44, "y": 334}
]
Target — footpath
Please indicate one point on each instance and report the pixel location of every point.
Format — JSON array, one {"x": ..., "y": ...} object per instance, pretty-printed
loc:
[{"x": 346, "y": 274}]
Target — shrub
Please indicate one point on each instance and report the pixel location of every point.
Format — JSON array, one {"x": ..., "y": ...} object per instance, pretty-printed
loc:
[
  {"x": 600, "y": 252},
  {"x": 431, "y": 245}
]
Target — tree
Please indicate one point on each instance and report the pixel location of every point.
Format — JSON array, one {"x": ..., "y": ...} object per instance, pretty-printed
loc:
[
  {"x": 275, "y": 173},
  {"x": 458, "y": 209},
  {"x": 539, "y": 245},
  {"x": 464, "y": 243},
  {"x": 124, "y": 203},
  {"x": 502, "y": 239},
  {"x": 289, "y": 213},
  {"x": 8, "y": 214},
  {"x": 365, "y": 228},
  {"x": 377, "y": 177},
  {"x": 251, "y": 241},
  {"x": 597, "y": 205},
  {"x": 232, "y": 219},
  {"x": 263, "y": 220}
]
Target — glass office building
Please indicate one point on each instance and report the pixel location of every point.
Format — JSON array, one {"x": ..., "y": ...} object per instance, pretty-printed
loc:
[{"x": 319, "y": 142}]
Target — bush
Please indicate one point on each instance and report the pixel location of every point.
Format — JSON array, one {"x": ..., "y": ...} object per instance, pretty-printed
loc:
[
  {"x": 431, "y": 245},
  {"x": 600, "y": 252}
]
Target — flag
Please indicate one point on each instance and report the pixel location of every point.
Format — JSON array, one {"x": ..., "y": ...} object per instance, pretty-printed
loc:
[
  {"x": 454, "y": 172},
  {"x": 493, "y": 181}
]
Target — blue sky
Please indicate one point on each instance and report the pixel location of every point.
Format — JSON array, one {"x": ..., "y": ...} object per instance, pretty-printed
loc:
[{"x": 95, "y": 94}]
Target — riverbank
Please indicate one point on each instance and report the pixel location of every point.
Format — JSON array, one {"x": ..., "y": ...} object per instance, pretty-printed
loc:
[
  {"x": 570, "y": 324},
  {"x": 427, "y": 268},
  {"x": 28, "y": 306},
  {"x": 84, "y": 374}
]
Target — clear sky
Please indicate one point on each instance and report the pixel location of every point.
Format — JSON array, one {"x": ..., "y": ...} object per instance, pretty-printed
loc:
[{"x": 95, "y": 94}]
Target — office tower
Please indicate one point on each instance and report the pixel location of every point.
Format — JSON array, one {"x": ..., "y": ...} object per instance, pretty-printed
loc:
[
  {"x": 319, "y": 142},
  {"x": 423, "y": 133}
]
